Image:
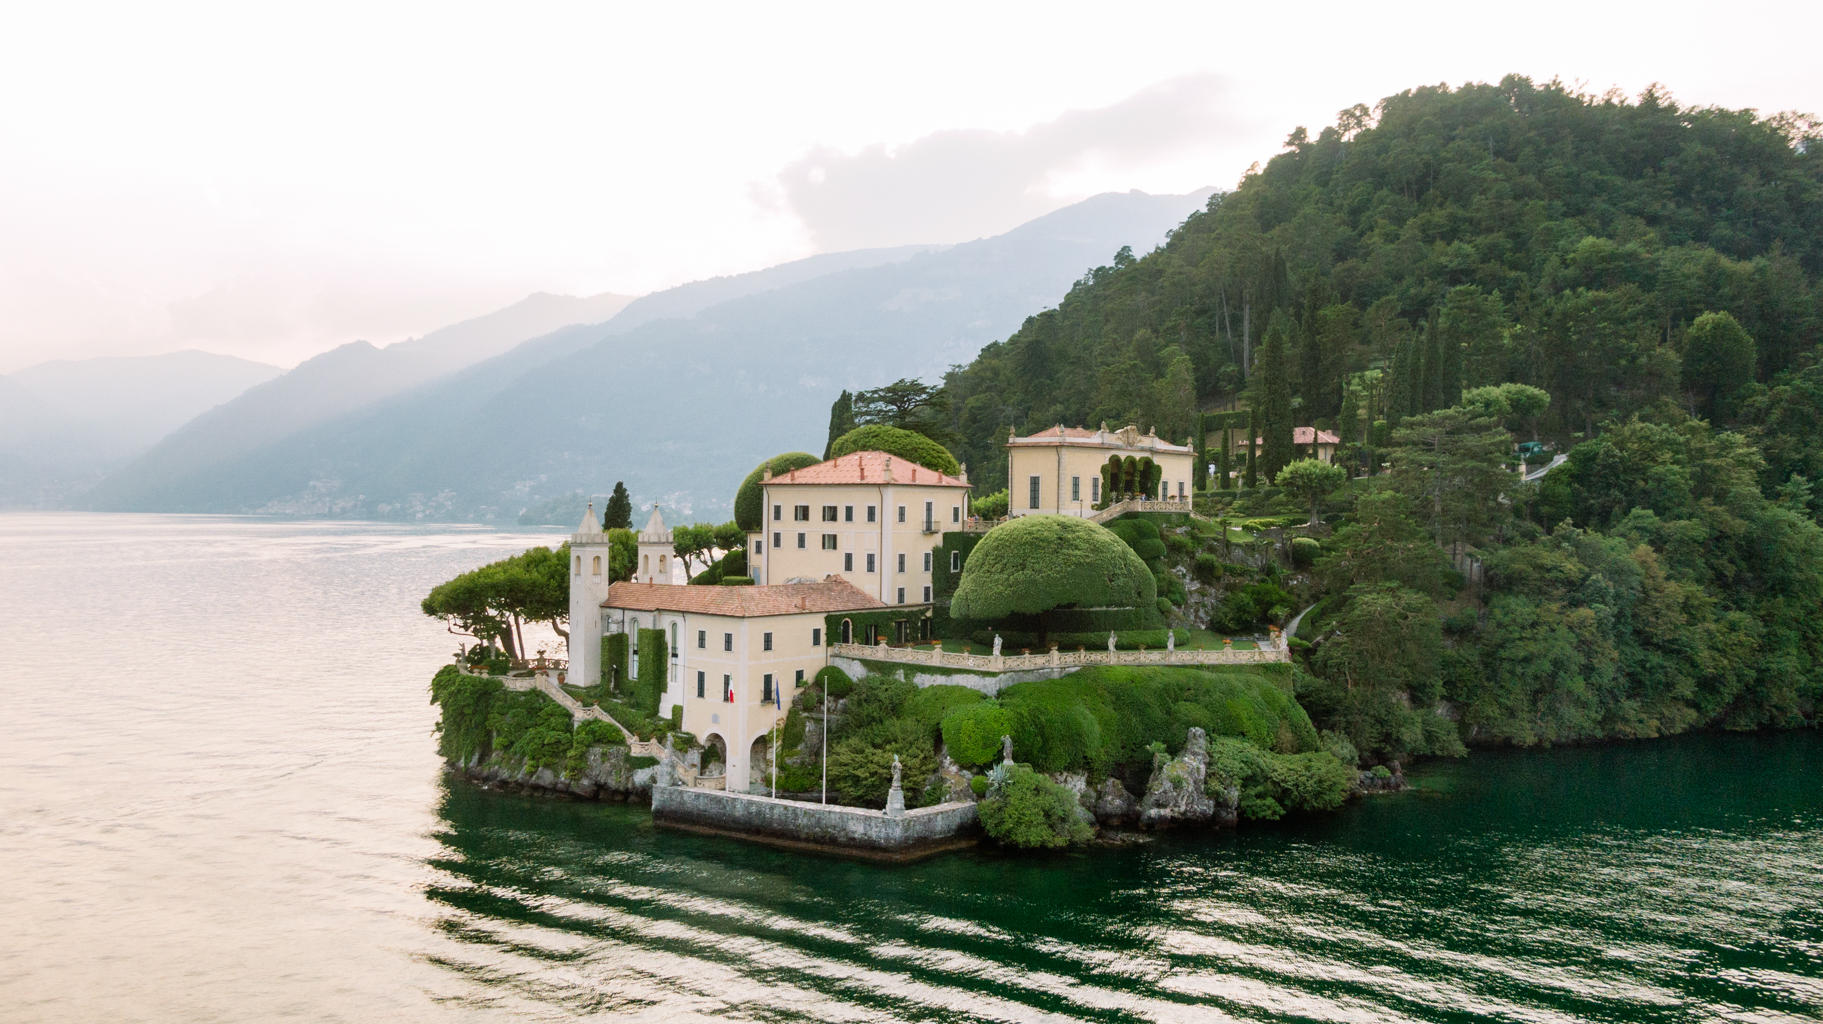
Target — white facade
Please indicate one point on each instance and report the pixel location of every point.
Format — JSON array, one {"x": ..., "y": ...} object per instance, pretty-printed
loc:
[
  {"x": 657, "y": 559},
  {"x": 589, "y": 580}
]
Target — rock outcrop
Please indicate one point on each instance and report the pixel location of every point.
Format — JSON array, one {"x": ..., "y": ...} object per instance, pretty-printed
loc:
[
  {"x": 607, "y": 776},
  {"x": 1113, "y": 804},
  {"x": 1175, "y": 795}
]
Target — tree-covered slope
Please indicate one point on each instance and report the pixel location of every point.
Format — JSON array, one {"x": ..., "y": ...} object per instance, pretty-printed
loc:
[{"x": 1529, "y": 232}]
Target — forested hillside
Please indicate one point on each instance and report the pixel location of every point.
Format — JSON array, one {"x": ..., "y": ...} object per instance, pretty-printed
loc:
[{"x": 1631, "y": 282}]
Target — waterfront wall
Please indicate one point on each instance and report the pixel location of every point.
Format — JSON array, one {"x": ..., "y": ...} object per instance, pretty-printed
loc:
[{"x": 820, "y": 826}]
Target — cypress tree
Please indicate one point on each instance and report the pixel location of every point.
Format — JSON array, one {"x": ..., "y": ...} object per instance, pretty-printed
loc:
[
  {"x": 619, "y": 513},
  {"x": 1227, "y": 456},
  {"x": 1272, "y": 396},
  {"x": 841, "y": 420},
  {"x": 1253, "y": 439}
]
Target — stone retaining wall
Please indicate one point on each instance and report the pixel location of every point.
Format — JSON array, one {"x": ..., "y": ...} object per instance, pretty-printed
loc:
[{"x": 790, "y": 823}]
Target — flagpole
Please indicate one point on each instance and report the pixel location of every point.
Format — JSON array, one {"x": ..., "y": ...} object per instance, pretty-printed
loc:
[{"x": 825, "y": 741}]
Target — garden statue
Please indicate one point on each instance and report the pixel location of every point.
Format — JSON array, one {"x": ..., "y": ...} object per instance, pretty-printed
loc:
[
  {"x": 1110, "y": 641},
  {"x": 1170, "y": 639},
  {"x": 996, "y": 645},
  {"x": 1006, "y": 748},
  {"x": 896, "y": 770}
]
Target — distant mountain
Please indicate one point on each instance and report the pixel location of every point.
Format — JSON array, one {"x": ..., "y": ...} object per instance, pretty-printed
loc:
[
  {"x": 683, "y": 398},
  {"x": 66, "y": 422},
  {"x": 340, "y": 381}
]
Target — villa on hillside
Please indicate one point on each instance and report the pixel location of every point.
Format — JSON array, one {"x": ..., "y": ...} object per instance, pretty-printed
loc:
[
  {"x": 1059, "y": 469},
  {"x": 1308, "y": 442}
]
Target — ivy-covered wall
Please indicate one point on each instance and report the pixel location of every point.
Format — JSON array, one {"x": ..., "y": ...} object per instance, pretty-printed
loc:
[
  {"x": 943, "y": 581},
  {"x": 870, "y": 626},
  {"x": 614, "y": 660},
  {"x": 653, "y": 661}
]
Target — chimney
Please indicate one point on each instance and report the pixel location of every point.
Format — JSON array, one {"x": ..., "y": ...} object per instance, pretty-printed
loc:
[
  {"x": 766, "y": 471},
  {"x": 889, "y": 469}
]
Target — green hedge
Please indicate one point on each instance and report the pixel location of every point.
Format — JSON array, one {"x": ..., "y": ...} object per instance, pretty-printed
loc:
[
  {"x": 1108, "y": 715},
  {"x": 733, "y": 563},
  {"x": 906, "y": 444},
  {"x": 1011, "y": 641},
  {"x": 834, "y": 681},
  {"x": 735, "y": 581},
  {"x": 614, "y": 660},
  {"x": 943, "y": 581},
  {"x": 881, "y": 620},
  {"x": 653, "y": 658},
  {"x": 748, "y": 500},
  {"x": 972, "y": 731},
  {"x": 525, "y": 728},
  {"x": 1271, "y": 783},
  {"x": 1023, "y": 808}
]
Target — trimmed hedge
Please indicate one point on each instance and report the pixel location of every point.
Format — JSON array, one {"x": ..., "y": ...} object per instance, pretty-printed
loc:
[
  {"x": 735, "y": 581},
  {"x": 1039, "y": 562},
  {"x": 614, "y": 660},
  {"x": 652, "y": 668},
  {"x": 906, "y": 444},
  {"x": 1130, "y": 640},
  {"x": 972, "y": 731},
  {"x": 748, "y": 500},
  {"x": 834, "y": 681}
]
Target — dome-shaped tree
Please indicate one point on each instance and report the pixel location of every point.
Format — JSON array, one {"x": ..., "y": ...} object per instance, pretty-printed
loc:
[
  {"x": 1036, "y": 563},
  {"x": 906, "y": 444},
  {"x": 747, "y": 501}
]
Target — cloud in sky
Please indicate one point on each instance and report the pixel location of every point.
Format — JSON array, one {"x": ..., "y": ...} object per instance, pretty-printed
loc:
[{"x": 951, "y": 186}]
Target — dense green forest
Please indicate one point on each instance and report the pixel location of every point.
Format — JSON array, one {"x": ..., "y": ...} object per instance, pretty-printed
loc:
[{"x": 1650, "y": 268}]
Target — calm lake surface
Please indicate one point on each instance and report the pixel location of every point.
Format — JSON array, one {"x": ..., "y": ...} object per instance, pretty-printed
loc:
[{"x": 220, "y": 801}]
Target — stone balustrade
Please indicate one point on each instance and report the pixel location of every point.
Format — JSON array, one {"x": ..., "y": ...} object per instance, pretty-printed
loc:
[{"x": 1273, "y": 651}]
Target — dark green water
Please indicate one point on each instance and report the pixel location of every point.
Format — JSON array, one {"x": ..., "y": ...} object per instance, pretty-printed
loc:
[
  {"x": 220, "y": 801},
  {"x": 1671, "y": 881}
]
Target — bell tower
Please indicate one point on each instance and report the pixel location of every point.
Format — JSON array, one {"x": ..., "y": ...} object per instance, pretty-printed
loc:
[
  {"x": 590, "y": 574},
  {"x": 656, "y": 553}
]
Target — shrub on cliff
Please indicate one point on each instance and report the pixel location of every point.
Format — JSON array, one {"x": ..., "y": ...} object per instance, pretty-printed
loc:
[
  {"x": 1023, "y": 808},
  {"x": 465, "y": 701},
  {"x": 1271, "y": 784}
]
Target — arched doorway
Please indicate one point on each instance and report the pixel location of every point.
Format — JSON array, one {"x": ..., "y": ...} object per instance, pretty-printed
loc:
[
  {"x": 759, "y": 765},
  {"x": 848, "y": 631},
  {"x": 715, "y": 757}
]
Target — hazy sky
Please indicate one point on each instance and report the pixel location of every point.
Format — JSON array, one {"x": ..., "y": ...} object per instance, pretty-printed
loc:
[{"x": 271, "y": 182}]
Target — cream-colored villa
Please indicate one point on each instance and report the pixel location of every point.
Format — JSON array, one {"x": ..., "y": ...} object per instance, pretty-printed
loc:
[
  {"x": 1316, "y": 444},
  {"x": 1059, "y": 470},
  {"x": 870, "y": 516},
  {"x": 856, "y": 533}
]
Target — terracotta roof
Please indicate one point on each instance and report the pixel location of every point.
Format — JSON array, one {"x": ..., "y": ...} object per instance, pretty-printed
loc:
[
  {"x": 1299, "y": 435},
  {"x": 830, "y": 594},
  {"x": 1127, "y": 438},
  {"x": 867, "y": 468}
]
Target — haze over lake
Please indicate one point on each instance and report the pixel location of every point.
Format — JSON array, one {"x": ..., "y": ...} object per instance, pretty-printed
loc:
[{"x": 220, "y": 800}]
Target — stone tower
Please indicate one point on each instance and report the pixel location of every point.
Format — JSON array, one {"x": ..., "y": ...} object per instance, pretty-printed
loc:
[
  {"x": 589, "y": 577},
  {"x": 656, "y": 554}
]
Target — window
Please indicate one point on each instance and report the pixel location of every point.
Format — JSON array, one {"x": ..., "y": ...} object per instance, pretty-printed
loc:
[
  {"x": 702, "y": 639},
  {"x": 766, "y": 688},
  {"x": 848, "y": 561},
  {"x": 927, "y": 595},
  {"x": 699, "y": 684},
  {"x": 848, "y": 631},
  {"x": 727, "y": 689},
  {"x": 661, "y": 565},
  {"x": 673, "y": 641},
  {"x": 870, "y": 513},
  {"x": 816, "y": 640},
  {"x": 955, "y": 561},
  {"x": 1095, "y": 489},
  {"x": 800, "y": 542},
  {"x": 901, "y": 513},
  {"x": 579, "y": 564},
  {"x": 927, "y": 558},
  {"x": 778, "y": 512},
  {"x": 848, "y": 513},
  {"x": 766, "y": 642},
  {"x": 829, "y": 542},
  {"x": 901, "y": 563},
  {"x": 727, "y": 641},
  {"x": 955, "y": 513},
  {"x": 870, "y": 561},
  {"x": 759, "y": 547},
  {"x": 928, "y": 513},
  {"x": 1076, "y": 488},
  {"x": 1180, "y": 490},
  {"x": 901, "y": 595},
  {"x": 777, "y": 539},
  {"x": 800, "y": 513},
  {"x": 645, "y": 564},
  {"x": 1032, "y": 498},
  {"x": 800, "y": 679},
  {"x": 829, "y": 513},
  {"x": 594, "y": 565}
]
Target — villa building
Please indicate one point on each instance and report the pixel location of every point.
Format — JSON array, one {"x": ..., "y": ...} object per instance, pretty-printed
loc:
[
  {"x": 1059, "y": 470},
  {"x": 1307, "y": 442},
  {"x": 872, "y": 517},
  {"x": 657, "y": 561},
  {"x": 736, "y": 656}
]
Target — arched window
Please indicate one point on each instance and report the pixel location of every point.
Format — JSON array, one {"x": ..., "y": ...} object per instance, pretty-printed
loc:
[
  {"x": 579, "y": 565},
  {"x": 645, "y": 562},
  {"x": 848, "y": 631},
  {"x": 661, "y": 565},
  {"x": 594, "y": 566}
]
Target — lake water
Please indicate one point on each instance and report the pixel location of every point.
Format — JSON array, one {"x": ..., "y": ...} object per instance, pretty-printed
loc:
[{"x": 219, "y": 800}]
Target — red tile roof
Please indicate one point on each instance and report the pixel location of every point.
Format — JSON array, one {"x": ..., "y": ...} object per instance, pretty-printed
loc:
[
  {"x": 830, "y": 594},
  {"x": 1299, "y": 435},
  {"x": 867, "y": 468},
  {"x": 1082, "y": 436}
]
